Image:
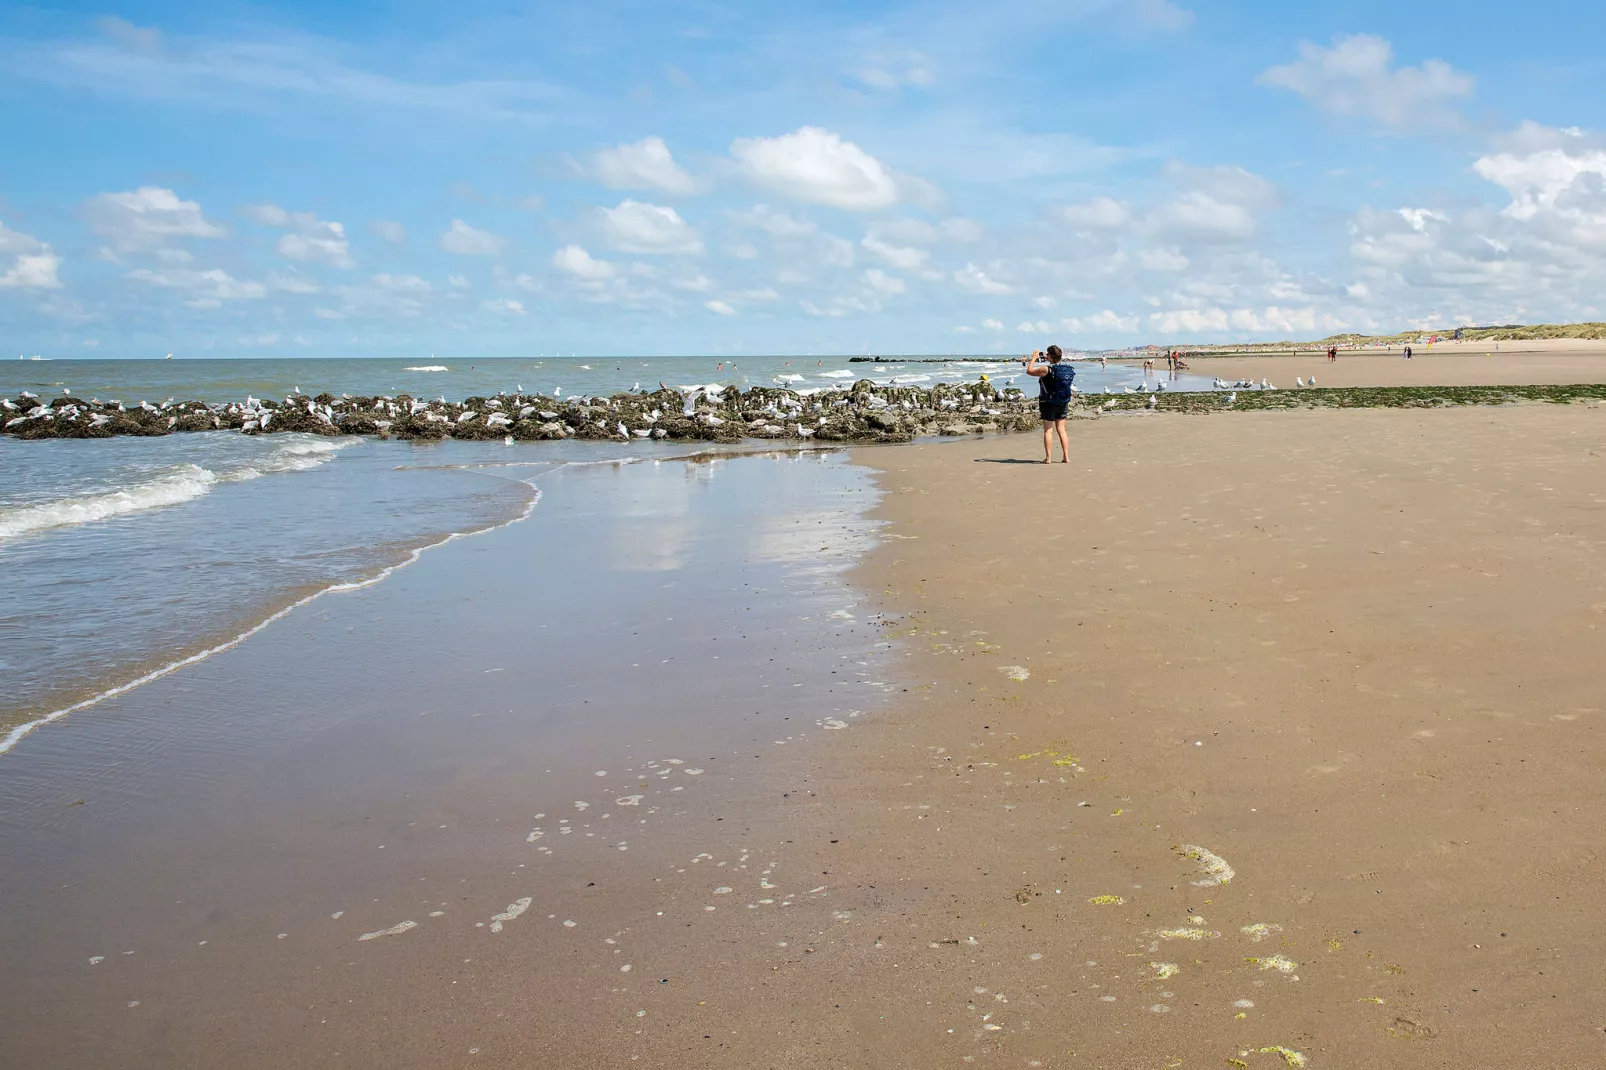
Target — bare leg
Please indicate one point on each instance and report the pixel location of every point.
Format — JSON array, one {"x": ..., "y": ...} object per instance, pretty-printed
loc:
[
  {"x": 1065, "y": 442},
  {"x": 1048, "y": 426}
]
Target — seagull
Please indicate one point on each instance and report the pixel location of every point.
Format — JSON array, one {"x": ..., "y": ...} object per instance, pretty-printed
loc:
[
  {"x": 507, "y": 440},
  {"x": 298, "y": 390},
  {"x": 519, "y": 387},
  {"x": 1153, "y": 400},
  {"x": 1312, "y": 381},
  {"x": 1298, "y": 381},
  {"x": 1264, "y": 385},
  {"x": 624, "y": 432}
]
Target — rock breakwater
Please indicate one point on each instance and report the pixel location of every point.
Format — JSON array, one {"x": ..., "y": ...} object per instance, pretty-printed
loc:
[{"x": 865, "y": 412}]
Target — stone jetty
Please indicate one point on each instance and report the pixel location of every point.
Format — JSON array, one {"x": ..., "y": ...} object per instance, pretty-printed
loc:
[{"x": 866, "y": 412}]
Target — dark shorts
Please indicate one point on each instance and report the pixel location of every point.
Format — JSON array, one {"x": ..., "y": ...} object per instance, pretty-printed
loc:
[{"x": 1052, "y": 410}]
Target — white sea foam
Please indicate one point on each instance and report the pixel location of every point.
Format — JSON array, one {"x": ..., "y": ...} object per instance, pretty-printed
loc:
[
  {"x": 13, "y": 737},
  {"x": 843, "y": 373},
  {"x": 172, "y": 486},
  {"x": 428, "y": 368}
]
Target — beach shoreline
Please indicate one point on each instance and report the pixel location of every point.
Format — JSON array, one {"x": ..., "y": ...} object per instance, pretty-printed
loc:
[{"x": 1267, "y": 737}]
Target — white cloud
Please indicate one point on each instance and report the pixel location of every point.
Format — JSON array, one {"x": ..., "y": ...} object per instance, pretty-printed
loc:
[
  {"x": 881, "y": 282},
  {"x": 719, "y": 308},
  {"x": 504, "y": 306},
  {"x": 1100, "y": 213},
  {"x": 1163, "y": 260},
  {"x": 465, "y": 240},
  {"x": 460, "y": 282},
  {"x": 896, "y": 70},
  {"x": 993, "y": 325},
  {"x": 818, "y": 166},
  {"x": 1218, "y": 204},
  {"x": 291, "y": 284},
  {"x": 1040, "y": 327},
  {"x": 401, "y": 283},
  {"x": 147, "y": 217},
  {"x": 647, "y": 164},
  {"x": 776, "y": 222},
  {"x": 389, "y": 231},
  {"x": 574, "y": 260},
  {"x": 906, "y": 257},
  {"x": 1187, "y": 320},
  {"x": 269, "y": 215},
  {"x": 210, "y": 288},
  {"x": 841, "y": 305},
  {"x": 328, "y": 314},
  {"x": 1102, "y": 322},
  {"x": 34, "y": 265},
  {"x": 1354, "y": 78},
  {"x": 310, "y": 238},
  {"x": 635, "y": 227},
  {"x": 975, "y": 280}
]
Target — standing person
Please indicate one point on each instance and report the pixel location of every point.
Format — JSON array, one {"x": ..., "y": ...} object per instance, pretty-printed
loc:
[
  {"x": 1407, "y": 352},
  {"x": 1054, "y": 381}
]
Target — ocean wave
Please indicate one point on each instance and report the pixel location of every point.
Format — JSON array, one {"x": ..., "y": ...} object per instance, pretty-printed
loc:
[
  {"x": 16, "y": 734},
  {"x": 163, "y": 487},
  {"x": 428, "y": 368},
  {"x": 171, "y": 486},
  {"x": 843, "y": 373},
  {"x": 788, "y": 378}
]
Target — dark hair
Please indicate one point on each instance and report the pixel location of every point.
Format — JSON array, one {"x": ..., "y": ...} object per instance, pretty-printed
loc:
[{"x": 1054, "y": 354}]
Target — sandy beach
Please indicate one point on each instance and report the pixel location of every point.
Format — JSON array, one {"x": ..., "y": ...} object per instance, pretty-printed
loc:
[
  {"x": 1254, "y": 739},
  {"x": 1445, "y": 364}
]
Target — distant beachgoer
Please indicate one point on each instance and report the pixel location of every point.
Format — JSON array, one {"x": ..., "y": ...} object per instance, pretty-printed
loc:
[
  {"x": 1180, "y": 363},
  {"x": 1332, "y": 354},
  {"x": 1104, "y": 362},
  {"x": 1053, "y": 398},
  {"x": 1407, "y": 352},
  {"x": 1148, "y": 366},
  {"x": 721, "y": 365}
]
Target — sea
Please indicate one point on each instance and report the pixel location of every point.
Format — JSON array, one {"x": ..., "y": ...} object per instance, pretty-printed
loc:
[{"x": 126, "y": 559}]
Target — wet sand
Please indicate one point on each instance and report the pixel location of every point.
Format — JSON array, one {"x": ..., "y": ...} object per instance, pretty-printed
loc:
[
  {"x": 1445, "y": 364},
  {"x": 1350, "y": 656},
  {"x": 1347, "y": 659}
]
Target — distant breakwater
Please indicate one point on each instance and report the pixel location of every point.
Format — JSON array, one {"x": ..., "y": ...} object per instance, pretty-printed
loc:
[{"x": 865, "y": 412}]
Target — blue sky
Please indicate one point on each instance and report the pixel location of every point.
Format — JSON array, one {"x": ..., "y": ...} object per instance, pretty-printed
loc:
[{"x": 498, "y": 179}]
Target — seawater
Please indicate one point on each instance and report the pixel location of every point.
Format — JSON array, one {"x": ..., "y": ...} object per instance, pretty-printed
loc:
[
  {"x": 133, "y": 381},
  {"x": 123, "y": 557}
]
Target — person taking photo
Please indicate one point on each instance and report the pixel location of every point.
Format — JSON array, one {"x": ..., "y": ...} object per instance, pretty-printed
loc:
[{"x": 1054, "y": 380}]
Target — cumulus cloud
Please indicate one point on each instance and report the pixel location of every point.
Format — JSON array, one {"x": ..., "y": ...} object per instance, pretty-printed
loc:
[
  {"x": 465, "y": 240},
  {"x": 458, "y": 282},
  {"x": 401, "y": 283},
  {"x": 146, "y": 218},
  {"x": 635, "y": 227},
  {"x": 33, "y": 264},
  {"x": 977, "y": 281},
  {"x": 646, "y": 164},
  {"x": 291, "y": 284},
  {"x": 719, "y": 308},
  {"x": 208, "y": 289},
  {"x": 993, "y": 325},
  {"x": 388, "y": 230},
  {"x": 1102, "y": 322},
  {"x": 881, "y": 282},
  {"x": 907, "y": 257},
  {"x": 1099, "y": 213},
  {"x": 573, "y": 260},
  {"x": 309, "y": 238},
  {"x": 1217, "y": 204},
  {"x": 503, "y": 306},
  {"x": 1354, "y": 78},
  {"x": 818, "y": 166}
]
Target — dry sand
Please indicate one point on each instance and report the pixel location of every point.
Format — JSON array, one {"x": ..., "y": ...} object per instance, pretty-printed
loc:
[{"x": 1446, "y": 364}]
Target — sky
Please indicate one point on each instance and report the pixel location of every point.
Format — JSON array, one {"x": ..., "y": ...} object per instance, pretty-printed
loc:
[{"x": 502, "y": 179}]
